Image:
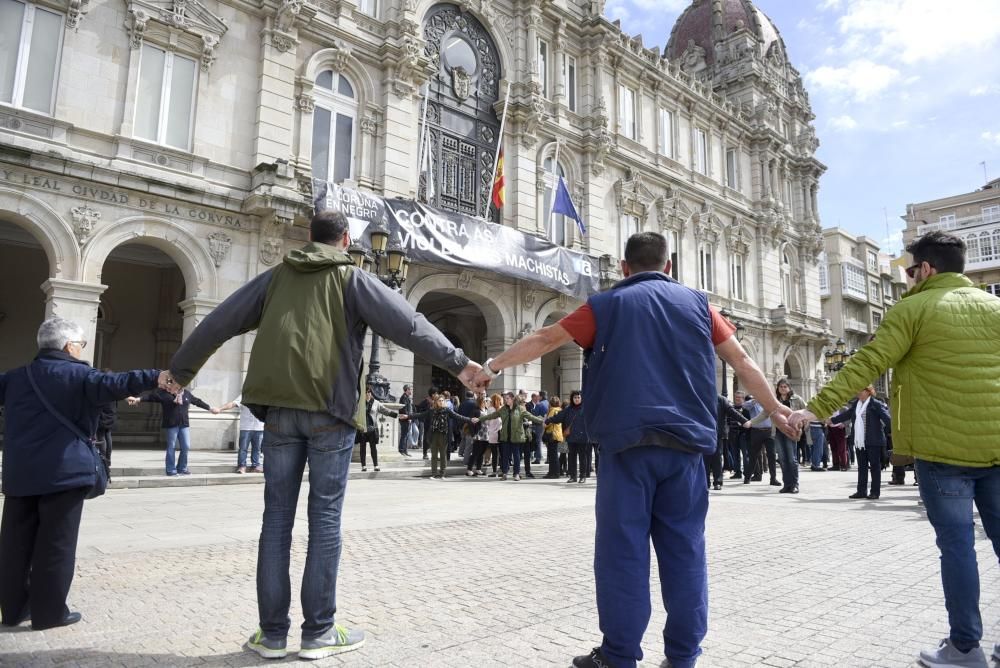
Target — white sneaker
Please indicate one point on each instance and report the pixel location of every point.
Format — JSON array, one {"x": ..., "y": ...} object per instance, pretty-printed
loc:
[{"x": 946, "y": 656}]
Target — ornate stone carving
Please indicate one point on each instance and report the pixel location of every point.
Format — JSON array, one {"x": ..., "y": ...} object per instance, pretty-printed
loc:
[
  {"x": 138, "y": 28},
  {"x": 528, "y": 298},
  {"x": 341, "y": 56},
  {"x": 186, "y": 25},
  {"x": 209, "y": 42},
  {"x": 219, "y": 244},
  {"x": 305, "y": 103},
  {"x": 287, "y": 14},
  {"x": 270, "y": 250},
  {"x": 84, "y": 221},
  {"x": 369, "y": 125},
  {"x": 461, "y": 83},
  {"x": 465, "y": 279},
  {"x": 282, "y": 42},
  {"x": 75, "y": 13}
]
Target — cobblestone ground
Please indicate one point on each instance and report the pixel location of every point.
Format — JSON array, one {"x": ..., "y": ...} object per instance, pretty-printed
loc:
[{"x": 484, "y": 573}]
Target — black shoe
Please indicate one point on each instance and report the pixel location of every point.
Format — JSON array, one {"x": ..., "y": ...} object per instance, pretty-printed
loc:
[
  {"x": 816, "y": 468},
  {"x": 717, "y": 486},
  {"x": 736, "y": 476},
  {"x": 896, "y": 482},
  {"x": 70, "y": 618},
  {"x": 795, "y": 490},
  {"x": 784, "y": 490},
  {"x": 775, "y": 483},
  {"x": 595, "y": 659},
  {"x": 872, "y": 497},
  {"x": 571, "y": 480},
  {"x": 550, "y": 476},
  {"x": 756, "y": 478},
  {"x": 858, "y": 495},
  {"x": 746, "y": 481},
  {"x": 528, "y": 474}
]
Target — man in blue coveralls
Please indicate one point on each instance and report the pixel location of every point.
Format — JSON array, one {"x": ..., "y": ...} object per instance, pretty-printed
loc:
[{"x": 650, "y": 390}]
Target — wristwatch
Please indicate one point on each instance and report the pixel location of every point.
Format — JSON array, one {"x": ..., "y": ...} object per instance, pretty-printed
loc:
[{"x": 489, "y": 371}]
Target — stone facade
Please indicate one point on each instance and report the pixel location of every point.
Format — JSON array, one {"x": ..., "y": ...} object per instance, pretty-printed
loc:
[{"x": 181, "y": 139}]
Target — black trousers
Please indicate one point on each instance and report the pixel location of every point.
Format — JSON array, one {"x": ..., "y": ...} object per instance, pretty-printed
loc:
[
  {"x": 760, "y": 439},
  {"x": 869, "y": 459},
  {"x": 713, "y": 463},
  {"x": 366, "y": 439},
  {"x": 476, "y": 460},
  {"x": 552, "y": 456},
  {"x": 579, "y": 454},
  {"x": 38, "y": 537}
]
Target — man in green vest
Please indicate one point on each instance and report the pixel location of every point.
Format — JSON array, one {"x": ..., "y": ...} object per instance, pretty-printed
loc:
[
  {"x": 303, "y": 381},
  {"x": 943, "y": 341}
]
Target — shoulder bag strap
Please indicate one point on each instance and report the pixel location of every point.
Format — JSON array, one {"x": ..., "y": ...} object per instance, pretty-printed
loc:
[{"x": 56, "y": 414}]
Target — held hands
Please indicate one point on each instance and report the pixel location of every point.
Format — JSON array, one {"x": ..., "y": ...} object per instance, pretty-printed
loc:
[
  {"x": 801, "y": 419},
  {"x": 475, "y": 420},
  {"x": 403, "y": 417},
  {"x": 132, "y": 401},
  {"x": 470, "y": 375},
  {"x": 747, "y": 424},
  {"x": 215, "y": 411},
  {"x": 780, "y": 419}
]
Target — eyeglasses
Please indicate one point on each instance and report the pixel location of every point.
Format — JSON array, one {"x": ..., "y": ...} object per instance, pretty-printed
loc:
[
  {"x": 82, "y": 344},
  {"x": 911, "y": 271}
]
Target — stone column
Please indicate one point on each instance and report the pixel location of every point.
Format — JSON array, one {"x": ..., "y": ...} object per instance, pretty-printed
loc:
[
  {"x": 76, "y": 301},
  {"x": 508, "y": 379}
]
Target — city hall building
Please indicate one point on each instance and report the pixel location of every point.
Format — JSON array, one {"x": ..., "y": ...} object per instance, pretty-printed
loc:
[{"x": 157, "y": 154}]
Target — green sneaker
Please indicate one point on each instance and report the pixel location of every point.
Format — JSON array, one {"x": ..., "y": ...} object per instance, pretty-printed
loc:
[
  {"x": 335, "y": 641},
  {"x": 269, "y": 648}
]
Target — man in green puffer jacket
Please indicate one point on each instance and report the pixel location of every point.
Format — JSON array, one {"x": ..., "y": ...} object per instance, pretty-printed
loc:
[
  {"x": 311, "y": 314},
  {"x": 943, "y": 341}
]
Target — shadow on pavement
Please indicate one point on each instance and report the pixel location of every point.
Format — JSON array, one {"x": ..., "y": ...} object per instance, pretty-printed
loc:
[{"x": 97, "y": 658}]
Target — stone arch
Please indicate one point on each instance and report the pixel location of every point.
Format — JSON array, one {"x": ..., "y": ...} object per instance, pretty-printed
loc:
[
  {"x": 53, "y": 233},
  {"x": 340, "y": 60},
  {"x": 558, "y": 306},
  {"x": 795, "y": 368},
  {"x": 499, "y": 26},
  {"x": 568, "y": 158},
  {"x": 500, "y": 317},
  {"x": 191, "y": 256}
]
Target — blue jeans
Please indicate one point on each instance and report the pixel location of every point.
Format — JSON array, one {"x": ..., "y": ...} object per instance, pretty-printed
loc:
[
  {"x": 948, "y": 493},
  {"x": 651, "y": 493},
  {"x": 249, "y": 438},
  {"x": 510, "y": 453},
  {"x": 819, "y": 441},
  {"x": 788, "y": 460},
  {"x": 173, "y": 434},
  {"x": 292, "y": 438}
]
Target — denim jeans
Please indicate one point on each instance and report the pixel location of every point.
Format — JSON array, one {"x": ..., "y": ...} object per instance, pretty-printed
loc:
[
  {"x": 249, "y": 439},
  {"x": 819, "y": 441},
  {"x": 788, "y": 459},
  {"x": 510, "y": 454},
  {"x": 948, "y": 493},
  {"x": 292, "y": 438},
  {"x": 174, "y": 434}
]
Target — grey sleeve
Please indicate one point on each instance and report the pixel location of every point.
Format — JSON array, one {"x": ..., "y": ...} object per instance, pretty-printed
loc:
[
  {"x": 238, "y": 314},
  {"x": 389, "y": 314}
]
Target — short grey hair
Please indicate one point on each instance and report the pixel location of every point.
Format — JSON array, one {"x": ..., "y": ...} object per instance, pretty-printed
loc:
[{"x": 57, "y": 332}]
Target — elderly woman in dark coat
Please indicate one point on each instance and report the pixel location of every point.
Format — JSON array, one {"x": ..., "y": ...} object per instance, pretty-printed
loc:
[{"x": 48, "y": 469}]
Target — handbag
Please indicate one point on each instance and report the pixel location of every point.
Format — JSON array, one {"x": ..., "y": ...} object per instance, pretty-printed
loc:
[
  {"x": 900, "y": 460},
  {"x": 100, "y": 473}
]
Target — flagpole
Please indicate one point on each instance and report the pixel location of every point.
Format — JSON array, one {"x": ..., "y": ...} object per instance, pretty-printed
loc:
[
  {"x": 423, "y": 137},
  {"x": 555, "y": 187},
  {"x": 496, "y": 156}
]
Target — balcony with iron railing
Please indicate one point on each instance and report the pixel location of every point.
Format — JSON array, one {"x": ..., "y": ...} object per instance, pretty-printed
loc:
[{"x": 959, "y": 223}]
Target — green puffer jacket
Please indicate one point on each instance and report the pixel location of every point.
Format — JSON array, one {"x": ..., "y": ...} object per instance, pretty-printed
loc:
[
  {"x": 512, "y": 423},
  {"x": 943, "y": 340}
]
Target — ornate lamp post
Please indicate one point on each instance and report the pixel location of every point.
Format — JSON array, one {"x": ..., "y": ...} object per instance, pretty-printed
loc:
[
  {"x": 740, "y": 331},
  {"x": 389, "y": 263},
  {"x": 834, "y": 360}
]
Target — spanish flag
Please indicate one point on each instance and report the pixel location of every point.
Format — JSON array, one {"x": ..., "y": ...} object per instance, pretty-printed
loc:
[{"x": 498, "y": 184}]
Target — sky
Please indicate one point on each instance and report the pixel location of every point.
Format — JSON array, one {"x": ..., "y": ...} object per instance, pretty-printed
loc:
[{"x": 906, "y": 95}]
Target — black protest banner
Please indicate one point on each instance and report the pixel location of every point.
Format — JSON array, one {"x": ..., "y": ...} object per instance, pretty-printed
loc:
[{"x": 433, "y": 236}]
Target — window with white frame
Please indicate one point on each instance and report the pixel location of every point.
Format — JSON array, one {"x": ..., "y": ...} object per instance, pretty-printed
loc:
[
  {"x": 874, "y": 287},
  {"x": 824, "y": 274},
  {"x": 630, "y": 225},
  {"x": 944, "y": 220},
  {"x": 872, "y": 261},
  {"x": 30, "y": 51},
  {"x": 854, "y": 279},
  {"x": 993, "y": 289},
  {"x": 369, "y": 7},
  {"x": 733, "y": 168},
  {"x": 554, "y": 224},
  {"x": 569, "y": 81},
  {"x": 164, "y": 110},
  {"x": 543, "y": 66},
  {"x": 334, "y": 127},
  {"x": 706, "y": 267},
  {"x": 674, "y": 253},
  {"x": 787, "y": 295},
  {"x": 666, "y": 133},
  {"x": 738, "y": 276},
  {"x": 788, "y": 195},
  {"x": 991, "y": 214},
  {"x": 876, "y": 319},
  {"x": 988, "y": 251},
  {"x": 626, "y": 112},
  {"x": 700, "y": 151}
]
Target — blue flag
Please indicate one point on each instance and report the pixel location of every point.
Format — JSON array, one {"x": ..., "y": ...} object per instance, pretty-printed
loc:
[{"x": 564, "y": 205}]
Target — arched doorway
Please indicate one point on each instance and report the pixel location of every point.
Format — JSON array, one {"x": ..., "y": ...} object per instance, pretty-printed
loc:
[
  {"x": 793, "y": 372},
  {"x": 557, "y": 366},
  {"x": 139, "y": 326},
  {"x": 463, "y": 127},
  {"x": 24, "y": 267},
  {"x": 465, "y": 326}
]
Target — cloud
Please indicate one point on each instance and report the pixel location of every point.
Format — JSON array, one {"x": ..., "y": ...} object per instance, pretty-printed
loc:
[
  {"x": 984, "y": 89},
  {"x": 831, "y": 4},
  {"x": 860, "y": 79},
  {"x": 913, "y": 31},
  {"x": 992, "y": 137},
  {"x": 843, "y": 123}
]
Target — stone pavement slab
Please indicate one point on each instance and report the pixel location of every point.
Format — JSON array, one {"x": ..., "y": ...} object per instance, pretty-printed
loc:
[{"x": 474, "y": 572}]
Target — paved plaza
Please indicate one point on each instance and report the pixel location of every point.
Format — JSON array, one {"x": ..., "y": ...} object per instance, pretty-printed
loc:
[{"x": 478, "y": 572}]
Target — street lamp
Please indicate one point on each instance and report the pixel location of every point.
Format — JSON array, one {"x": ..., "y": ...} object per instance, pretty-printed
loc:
[
  {"x": 834, "y": 360},
  {"x": 389, "y": 263}
]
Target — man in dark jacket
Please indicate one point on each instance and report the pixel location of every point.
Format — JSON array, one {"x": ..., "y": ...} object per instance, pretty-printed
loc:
[
  {"x": 468, "y": 408},
  {"x": 574, "y": 428},
  {"x": 48, "y": 470},
  {"x": 425, "y": 424},
  {"x": 539, "y": 409},
  {"x": 738, "y": 447},
  {"x": 650, "y": 375},
  {"x": 311, "y": 314},
  {"x": 404, "y": 427},
  {"x": 870, "y": 419},
  {"x": 175, "y": 422},
  {"x": 725, "y": 413}
]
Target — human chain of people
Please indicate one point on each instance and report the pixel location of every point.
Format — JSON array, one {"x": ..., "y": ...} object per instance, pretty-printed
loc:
[{"x": 648, "y": 421}]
